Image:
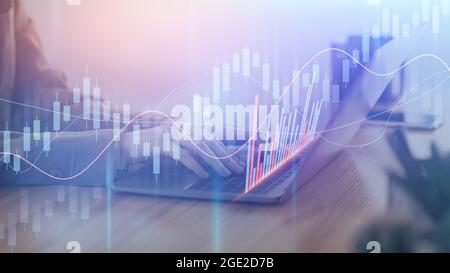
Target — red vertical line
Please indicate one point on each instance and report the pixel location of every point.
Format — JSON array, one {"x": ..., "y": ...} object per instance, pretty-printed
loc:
[
  {"x": 267, "y": 163},
  {"x": 279, "y": 129},
  {"x": 254, "y": 178},
  {"x": 285, "y": 141},
  {"x": 316, "y": 117},
  {"x": 265, "y": 153},
  {"x": 253, "y": 137},
  {"x": 272, "y": 161},
  {"x": 306, "y": 110},
  {"x": 289, "y": 147},
  {"x": 257, "y": 175},
  {"x": 296, "y": 142},
  {"x": 272, "y": 153},
  {"x": 280, "y": 138},
  {"x": 260, "y": 174},
  {"x": 261, "y": 171},
  {"x": 247, "y": 180},
  {"x": 272, "y": 157},
  {"x": 252, "y": 156},
  {"x": 292, "y": 131},
  {"x": 292, "y": 149},
  {"x": 310, "y": 119},
  {"x": 313, "y": 122},
  {"x": 260, "y": 168},
  {"x": 280, "y": 145},
  {"x": 285, "y": 138},
  {"x": 292, "y": 144},
  {"x": 264, "y": 164},
  {"x": 299, "y": 138},
  {"x": 283, "y": 146},
  {"x": 303, "y": 140},
  {"x": 258, "y": 164},
  {"x": 300, "y": 135},
  {"x": 286, "y": 149},
  {"x": 273, "y": 148},
  {"x": 311, "y": 126},
  {"x": 280, "y": 148}
]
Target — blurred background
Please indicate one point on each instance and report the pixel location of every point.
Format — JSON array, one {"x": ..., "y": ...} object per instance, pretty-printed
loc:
[
  {"x": 140, "y": 47},
  {"x": 140, "y": 50}
]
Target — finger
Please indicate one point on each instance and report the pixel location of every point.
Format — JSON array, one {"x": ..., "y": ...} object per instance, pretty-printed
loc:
[
  {"x": 228, "y": 161},
  {"x": 236, "y": 151},
  {"x": 217, "y": 164},
  {"x": 188, "y": 161},
  {"x": 210, "y": 160},
  {"x": 240, "y": 153}
]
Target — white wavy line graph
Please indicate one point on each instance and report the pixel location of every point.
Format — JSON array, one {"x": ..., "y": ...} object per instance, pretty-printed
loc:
[
  {"x": 173, "y": 90},
  {"x": 286, "y": 89}
]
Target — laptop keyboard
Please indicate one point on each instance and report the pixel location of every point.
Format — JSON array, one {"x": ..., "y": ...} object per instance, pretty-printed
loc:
[
  {"x": 237, "y": 184},
  {"x": 230, "y": 185},
  {"x": 275, "y": 181}
]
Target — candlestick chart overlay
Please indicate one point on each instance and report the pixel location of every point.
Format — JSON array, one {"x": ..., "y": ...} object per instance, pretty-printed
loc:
[{"x": 229, "y": 88}]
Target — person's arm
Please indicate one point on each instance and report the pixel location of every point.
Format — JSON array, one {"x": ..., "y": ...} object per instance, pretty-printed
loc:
[
  {"x": 32, "y": 69},
  {"x": 69, "y": 155},
  {"x": 82, "y": 158},
  {"x": 36, "y": 83}
]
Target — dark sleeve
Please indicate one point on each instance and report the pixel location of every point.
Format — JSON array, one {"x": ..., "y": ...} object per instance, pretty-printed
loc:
[
  {"x": 74, "y": 156},
  {"x": 35, "y": 82},
  {"x": 32, "y": 69}
]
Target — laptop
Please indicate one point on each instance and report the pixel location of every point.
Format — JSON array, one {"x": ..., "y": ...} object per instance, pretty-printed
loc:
[{"x": 358, "y": 101}]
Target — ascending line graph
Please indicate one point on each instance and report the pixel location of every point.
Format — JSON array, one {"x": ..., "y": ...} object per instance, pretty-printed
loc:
[
  {"x": 240, "y": 148},
  {"x": 80, "y": 117},
  {"x": 390, "y": 111}
]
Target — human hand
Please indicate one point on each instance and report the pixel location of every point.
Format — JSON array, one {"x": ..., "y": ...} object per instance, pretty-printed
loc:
[{"x": 196, "y": 156}]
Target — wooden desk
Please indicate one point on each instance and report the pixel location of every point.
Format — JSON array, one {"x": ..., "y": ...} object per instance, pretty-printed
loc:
[{"x": 324, "y": 215}]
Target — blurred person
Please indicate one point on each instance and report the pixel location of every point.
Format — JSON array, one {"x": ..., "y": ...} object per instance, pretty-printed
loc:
[{"x": 25, "y": 78}]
